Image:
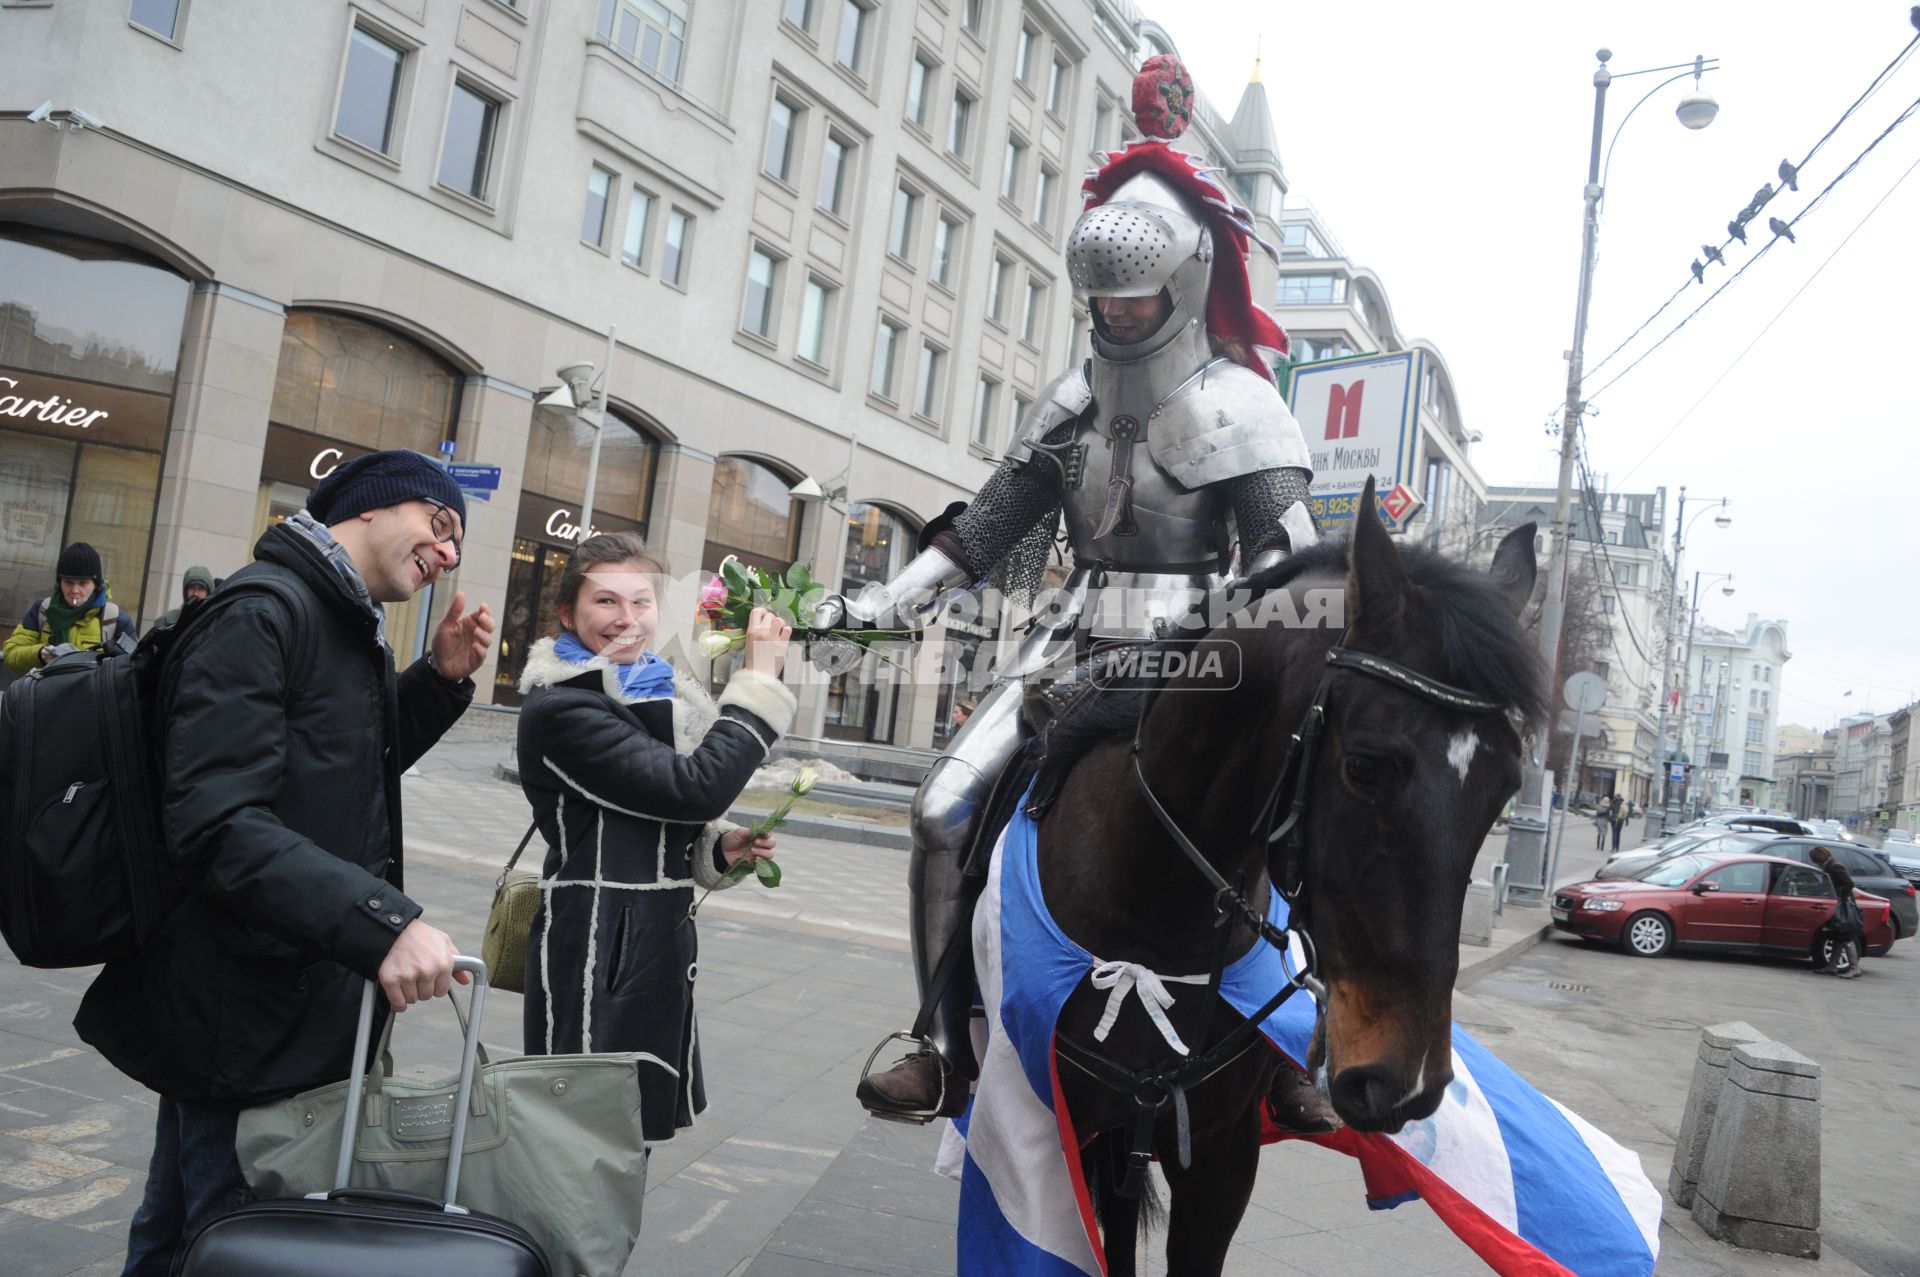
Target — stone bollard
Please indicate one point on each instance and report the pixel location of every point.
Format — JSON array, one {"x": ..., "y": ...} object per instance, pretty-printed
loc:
[
  {"x": 1760, "y": 1180},
  {"x": 1476, "y": 915},
  {"x": 1703, "y": 1100}
]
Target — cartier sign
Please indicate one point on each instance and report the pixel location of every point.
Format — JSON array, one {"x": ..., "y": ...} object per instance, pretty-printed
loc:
[
  {"x": 52, "y": 409},
  {"x": 87, "y": 411},
  {"x": 557, "y": 522}
]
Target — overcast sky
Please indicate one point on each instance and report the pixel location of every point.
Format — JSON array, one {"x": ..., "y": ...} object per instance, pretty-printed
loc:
[{"x": 1445, "y": 147}]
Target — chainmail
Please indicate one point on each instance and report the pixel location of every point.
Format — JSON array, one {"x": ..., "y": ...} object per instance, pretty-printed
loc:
[
  {"x": 1008, "y": 529},
  {"x": 1259, "y": 499}
]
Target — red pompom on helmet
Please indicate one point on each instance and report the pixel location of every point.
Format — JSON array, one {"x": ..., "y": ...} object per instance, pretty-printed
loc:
[{"x": 1162, "y": 97}]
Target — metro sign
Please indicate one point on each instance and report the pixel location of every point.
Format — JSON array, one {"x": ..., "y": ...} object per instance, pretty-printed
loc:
[{"x": 1360, "y": 416}]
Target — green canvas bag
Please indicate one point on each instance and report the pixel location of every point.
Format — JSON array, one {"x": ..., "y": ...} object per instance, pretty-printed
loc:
[
  {"x": 550, "y": 1142},
  {"x": 516, "y": 899}
]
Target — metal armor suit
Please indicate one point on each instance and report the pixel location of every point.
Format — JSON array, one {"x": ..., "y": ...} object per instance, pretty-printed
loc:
[{"x": 1145, "y": 450}]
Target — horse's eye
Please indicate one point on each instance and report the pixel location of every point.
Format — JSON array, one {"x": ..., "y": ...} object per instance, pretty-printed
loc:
[{"x": 1362, "y": 770}]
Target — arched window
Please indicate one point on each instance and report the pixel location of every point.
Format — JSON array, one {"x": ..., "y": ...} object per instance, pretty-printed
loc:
[
  {"x": 751, "y": 516},
  {"x": 348, "y": 380}
]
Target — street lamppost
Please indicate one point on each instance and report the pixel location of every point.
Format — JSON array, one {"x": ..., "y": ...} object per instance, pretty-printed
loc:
[
  {"x": 1668, "y": 811},
  {"x": 575, "y": 393},
  {"x": 1526, "y": 839},
  {"x": 1686, "y": 670}
]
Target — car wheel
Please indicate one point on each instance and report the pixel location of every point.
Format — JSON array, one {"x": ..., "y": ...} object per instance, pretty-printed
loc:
[
  {"x": 1647, "y": 935},
  {"x": 1822, "y": 952}
]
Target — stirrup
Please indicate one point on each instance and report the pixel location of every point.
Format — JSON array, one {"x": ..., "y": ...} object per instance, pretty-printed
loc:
[{"x": 911, "y": 1117}]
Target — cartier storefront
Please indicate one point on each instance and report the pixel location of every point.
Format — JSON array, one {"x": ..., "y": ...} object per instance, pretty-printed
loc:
[{"x": 89, "y": 349}]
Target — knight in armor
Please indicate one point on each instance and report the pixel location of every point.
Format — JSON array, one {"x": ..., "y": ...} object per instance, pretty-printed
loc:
[{"x": 1165, "y": 447}]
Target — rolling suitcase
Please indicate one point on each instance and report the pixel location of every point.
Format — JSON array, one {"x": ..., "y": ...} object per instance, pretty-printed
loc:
[{"x": 365, "y": 1232}]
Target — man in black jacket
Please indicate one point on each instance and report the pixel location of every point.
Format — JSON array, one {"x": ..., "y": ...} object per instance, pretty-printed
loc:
[{"x": 286, "y": 733}]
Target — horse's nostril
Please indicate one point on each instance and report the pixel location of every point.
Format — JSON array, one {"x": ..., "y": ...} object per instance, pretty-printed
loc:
[{"x": 1366, "y": 1096}]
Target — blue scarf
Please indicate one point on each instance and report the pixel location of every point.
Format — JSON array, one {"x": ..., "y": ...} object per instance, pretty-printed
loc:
[{"x": 649, "y": 676}]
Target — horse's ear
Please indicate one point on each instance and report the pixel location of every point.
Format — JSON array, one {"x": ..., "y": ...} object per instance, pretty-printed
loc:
[
  {"x": 1376, "y": 583},
  {"x": 1513, "y": 567}
]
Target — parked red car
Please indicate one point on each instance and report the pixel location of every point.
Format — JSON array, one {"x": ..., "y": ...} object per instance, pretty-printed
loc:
[{"x": 1715, "y": 900}]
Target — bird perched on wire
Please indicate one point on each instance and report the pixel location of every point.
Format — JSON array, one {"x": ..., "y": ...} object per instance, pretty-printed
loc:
[
  {"x": 1713, "y": 254},
  {"x": 1737, "y": 229},
  {"x": 1699, "y": 272},
  {"x": 1791, "y": 175},
  {"x": 1781, "y": 230}
]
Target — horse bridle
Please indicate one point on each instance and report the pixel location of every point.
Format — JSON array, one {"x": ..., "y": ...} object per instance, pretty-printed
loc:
[{"x": 1153, "y": 1092}]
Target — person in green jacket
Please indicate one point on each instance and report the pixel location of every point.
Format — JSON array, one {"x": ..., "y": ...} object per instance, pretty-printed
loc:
[
  {"x": 198, "y": 585},
  {"x": 78, "y": 615}
]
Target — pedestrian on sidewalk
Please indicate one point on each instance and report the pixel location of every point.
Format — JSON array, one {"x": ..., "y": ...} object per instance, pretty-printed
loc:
[
  {"x": 286, "y": 732},
  {"x": 196, "y": 584},
  {"x": 1621, "y": 810},
  {"x": 1845, "y": 928},
  {"x": 1602, "y": 822},
  {"x": 78, "y": 614},
  {"x": 629, "y": 769}
]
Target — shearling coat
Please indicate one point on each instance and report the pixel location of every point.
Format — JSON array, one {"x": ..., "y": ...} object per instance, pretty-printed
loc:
[{"x": 628, "y": 794}]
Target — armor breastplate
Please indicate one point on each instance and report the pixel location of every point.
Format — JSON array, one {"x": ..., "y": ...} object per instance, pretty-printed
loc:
[{"x": 1122, "y": 509}]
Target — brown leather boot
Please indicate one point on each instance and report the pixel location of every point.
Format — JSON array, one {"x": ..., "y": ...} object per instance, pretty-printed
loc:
[
  {"x": 918, "y": 1088},
  {"x": 1296, "y": 1105}
]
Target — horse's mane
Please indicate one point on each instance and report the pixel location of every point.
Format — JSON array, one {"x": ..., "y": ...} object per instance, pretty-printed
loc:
[{"x": 1482, "y": 648}]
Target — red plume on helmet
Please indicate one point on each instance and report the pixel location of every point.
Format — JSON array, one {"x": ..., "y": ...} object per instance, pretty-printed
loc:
[{"x": 1162, "y": 109}]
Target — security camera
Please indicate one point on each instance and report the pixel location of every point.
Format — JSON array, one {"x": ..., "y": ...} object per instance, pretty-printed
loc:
[
  {"x": 84, "y": 119},
  {"x": 40, "y": 112}
]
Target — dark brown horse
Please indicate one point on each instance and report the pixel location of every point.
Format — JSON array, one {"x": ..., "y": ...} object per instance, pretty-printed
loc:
[{"x": 1401, "y": 789}]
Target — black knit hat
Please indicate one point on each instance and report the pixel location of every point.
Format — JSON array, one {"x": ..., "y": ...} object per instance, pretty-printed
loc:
[
  {"x": 381, "y": 479},
  {"x": 79, "y": 560}
]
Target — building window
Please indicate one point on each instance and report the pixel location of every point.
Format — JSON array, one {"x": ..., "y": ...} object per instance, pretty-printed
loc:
[
  {"x": 1753, "y": 762},
  {"x": 1057, "y": 87},
  {"x": 1102, "y": 121},
  {"x": 853, "y": 35},
  {"x": 946, "y": 247},
  {"x": 370, "y": 92},
  {"x": 1043, "y": 198},
  {"x": 800, "y": 14},
  {"x": 1023, "y": 55},
  {"x": 997, "y": 289},
  {"x": 1310, "y": 290},
  {"x": 900, "y": 233},
  {"x": 971, "y": 14},
  {"x": 639, "y": 212},
  {"x": 157, "y": 16},
  {"x": 983, "y": 411},
  {"x": 919, "y": 81},
  {"x": 926, "y": 392},
  {"x": 593, "y": 226},
  {"x": 1010, "y": 169},
  {"x": 1021, "y": 406},
  {"x": 814, "y": 304},
  {"x": 673, "y": 264},
  {"x": 833, "y": 173},
  {"x": 756, "y": 313},
  {"x": 466, "y": 157},
  {"x": 752, "y": 517},
  {"x": 959, "y": 122},
  {"x": 1606, "y": 604},
  {"x": 1755, "y": 731},
  {"x": 886, "y": 348},
  {"x": 1308, "y": 349},
  {"x": 782, "y": 116},
  {"x": 1766, "y": 673},
  {"x": 646, "y": 31},
  {"x": 1030, "y": 311}
]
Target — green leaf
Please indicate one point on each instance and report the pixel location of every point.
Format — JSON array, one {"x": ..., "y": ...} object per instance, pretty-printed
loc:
[
  {"x": 783, "y": 603},
  {"x": 738, "y": 869},
  {"x": 810, "y": 598},
  {"x": 768, "y": 872},
  {"x": 735, "y": 575},
  {"x": 799, "y": 578}
]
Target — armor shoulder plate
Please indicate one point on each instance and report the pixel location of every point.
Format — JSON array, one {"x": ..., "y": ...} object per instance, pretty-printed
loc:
[
  {"x": 1226, "y": 424},
  {"x": 1060, "y": 402}
]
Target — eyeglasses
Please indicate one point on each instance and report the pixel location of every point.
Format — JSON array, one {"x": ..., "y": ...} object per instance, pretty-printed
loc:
[{"x": 443, "y": 527}]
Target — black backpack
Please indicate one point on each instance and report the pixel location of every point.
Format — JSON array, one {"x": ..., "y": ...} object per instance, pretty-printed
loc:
[{"x": 85, "y": 876}]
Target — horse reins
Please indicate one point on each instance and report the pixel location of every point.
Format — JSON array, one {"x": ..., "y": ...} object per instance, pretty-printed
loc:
[{"x": 1153, "y": 1092}]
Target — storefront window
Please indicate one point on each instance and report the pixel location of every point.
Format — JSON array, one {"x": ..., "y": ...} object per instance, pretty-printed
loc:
[
  {"x": 862, "y": 703},
  {"x": 89, "y": 346},
  {"x": 752, "y": 517},
  {"x": 345, "y": 388},
  {"x": 552, "y": 489},
  {"x": 966, "y": 663}
]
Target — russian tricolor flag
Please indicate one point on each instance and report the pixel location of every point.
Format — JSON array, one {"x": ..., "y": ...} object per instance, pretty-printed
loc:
[{"x": 1525, "y": 1182}]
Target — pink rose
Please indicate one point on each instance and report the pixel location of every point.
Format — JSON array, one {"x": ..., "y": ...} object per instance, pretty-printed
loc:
[{"x": 713, "y": 595}]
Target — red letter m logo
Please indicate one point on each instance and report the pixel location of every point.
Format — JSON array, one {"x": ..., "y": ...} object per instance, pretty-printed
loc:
[{"x": 1343, "y": 410}]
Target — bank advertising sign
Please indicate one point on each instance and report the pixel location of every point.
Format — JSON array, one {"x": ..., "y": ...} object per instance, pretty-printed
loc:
[{"x": 1361, "y": 418}]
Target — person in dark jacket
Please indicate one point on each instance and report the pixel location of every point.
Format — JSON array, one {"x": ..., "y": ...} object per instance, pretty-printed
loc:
[
  {"x": 79, "y": 614},
  {"x": 1845, "y": 961},
  {"x": 629, "y": 771},
  {"x": 286, "y": 732},
  {"x": 198, "y": 584}
]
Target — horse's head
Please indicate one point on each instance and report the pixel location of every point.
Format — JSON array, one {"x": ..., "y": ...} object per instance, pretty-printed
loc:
[{"x": 1403, "y": 792}]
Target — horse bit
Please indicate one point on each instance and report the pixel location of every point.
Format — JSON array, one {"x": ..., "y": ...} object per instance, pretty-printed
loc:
[{"x": 1153, "y": 1092}]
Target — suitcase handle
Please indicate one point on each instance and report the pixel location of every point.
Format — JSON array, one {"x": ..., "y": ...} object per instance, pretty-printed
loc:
[
  {"x": 386, "y": 1196},
  {"x": 357, "y": 1084}
]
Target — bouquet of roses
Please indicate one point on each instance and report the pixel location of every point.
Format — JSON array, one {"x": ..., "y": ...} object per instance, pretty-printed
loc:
[{"x": 729, "y": 598}]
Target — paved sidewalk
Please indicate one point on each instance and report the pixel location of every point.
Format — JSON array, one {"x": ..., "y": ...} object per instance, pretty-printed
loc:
[{"x": 784, "y": 1176}]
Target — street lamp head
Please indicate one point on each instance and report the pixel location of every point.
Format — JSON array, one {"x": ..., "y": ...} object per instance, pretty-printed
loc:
[
  {"x": 578, "y": 378},
  {"x": 1722, "y": 520},
  {"x": 1697, "y": 109},
  {"x": 1727, "y": 589}
]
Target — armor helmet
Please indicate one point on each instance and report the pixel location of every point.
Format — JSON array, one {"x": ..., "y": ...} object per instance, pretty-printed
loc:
[{"x": 1139, "y": 242}]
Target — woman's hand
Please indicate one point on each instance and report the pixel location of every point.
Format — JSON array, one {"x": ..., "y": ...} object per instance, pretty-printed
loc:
[
  {"x": 736, "y": 843},
  {"x": 766, "y": 649}
]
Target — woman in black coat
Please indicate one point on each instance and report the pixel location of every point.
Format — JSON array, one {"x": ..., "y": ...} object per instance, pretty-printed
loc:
[{"x": 629, "y": 771}]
